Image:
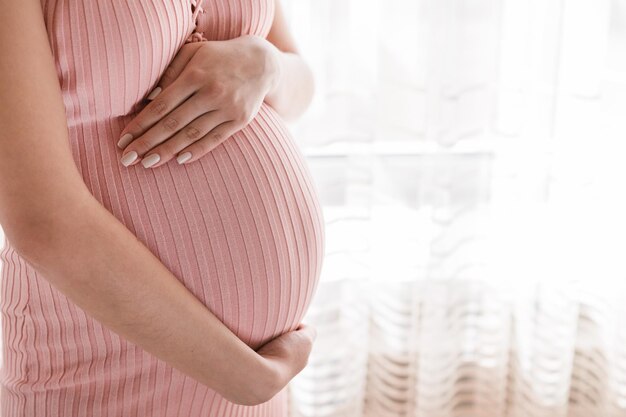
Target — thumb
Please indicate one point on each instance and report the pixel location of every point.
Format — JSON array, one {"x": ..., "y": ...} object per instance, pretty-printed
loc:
[
  {"x": 308, "y": 330},
  {"x": 175, "y": 68}
]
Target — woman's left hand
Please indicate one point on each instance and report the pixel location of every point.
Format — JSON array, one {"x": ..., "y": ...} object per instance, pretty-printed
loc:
[{"x": 211, "y": 90}]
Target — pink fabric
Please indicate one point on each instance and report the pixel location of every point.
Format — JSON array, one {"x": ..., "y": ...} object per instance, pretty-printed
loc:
[{"x": 241, "y": 228}]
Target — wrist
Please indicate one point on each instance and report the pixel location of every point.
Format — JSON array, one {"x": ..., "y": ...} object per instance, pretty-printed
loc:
[
  {"x": 268, "y": 381},
  {"x": 278, "y": 72},
  {"x": 273, "y": 66},
  {"x": 268, "y": 59}
]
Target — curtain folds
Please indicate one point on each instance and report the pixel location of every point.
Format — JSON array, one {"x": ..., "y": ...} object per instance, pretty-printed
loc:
[{"x": 468, "y": 157}]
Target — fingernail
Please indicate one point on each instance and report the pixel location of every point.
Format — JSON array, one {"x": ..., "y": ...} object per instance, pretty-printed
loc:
[
  {"x": 150, "y": 160},
  {"x": 182, "y": 158},
  {"x": 154, "y": 93},
  {"x": 124, "y": 141},
  {"x": 129, "y": 158}
]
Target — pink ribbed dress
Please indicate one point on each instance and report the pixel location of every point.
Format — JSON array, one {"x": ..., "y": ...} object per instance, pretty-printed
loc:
[{"x": 241, "y": 227}]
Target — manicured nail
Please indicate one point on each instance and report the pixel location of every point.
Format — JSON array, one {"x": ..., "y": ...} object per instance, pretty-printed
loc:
[
  {"x": 184, "y": 157},
  {"x": 129, "y": 158},
  {"x": 124, "y": 141},
  {"x": 154, "y": 93},
  {"x": 150, "y": 160}
]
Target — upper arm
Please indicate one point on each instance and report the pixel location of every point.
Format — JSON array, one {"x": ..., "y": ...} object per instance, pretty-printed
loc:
[
  {"x": 38, "y": 177},
  {"x": 279, "y": 34}
]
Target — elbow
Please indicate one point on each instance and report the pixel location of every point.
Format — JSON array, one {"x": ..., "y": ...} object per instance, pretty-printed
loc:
[
  {"x": 39, "y": 237},
  {"x": 21, "y": 233},
  {"x": 30, "y": 238},
  {"x": 39, "y": 230}
]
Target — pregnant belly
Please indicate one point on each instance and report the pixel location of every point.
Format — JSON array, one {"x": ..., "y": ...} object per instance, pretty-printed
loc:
[{"x": 241, "y": 227}]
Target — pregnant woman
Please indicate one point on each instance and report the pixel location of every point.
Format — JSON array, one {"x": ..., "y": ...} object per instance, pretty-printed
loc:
[{"x": 163, "y": 234}]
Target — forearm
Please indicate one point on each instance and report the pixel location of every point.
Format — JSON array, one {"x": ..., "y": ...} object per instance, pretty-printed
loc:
[
  {"x": 53, "y": 221},
  {"x": 102, "y": 267},
  {"x": 293, "y": 90}
]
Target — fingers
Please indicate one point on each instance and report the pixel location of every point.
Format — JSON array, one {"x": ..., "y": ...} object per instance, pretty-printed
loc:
[
  {"x": 306, "y": 335},
  {"x": 172, "y": 125},
  {"x": 307, "y": 330},
  {"x": 210, "y": 128},
  {"x": 208, "y": 142},
  {"x": 294, "y": 347},
  {"x": 291, "y": 349},
  {"x": 180, "y": 90}
]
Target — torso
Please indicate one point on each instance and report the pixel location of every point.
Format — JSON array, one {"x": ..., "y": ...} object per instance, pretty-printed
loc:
[{"x": 242, "y": 227}]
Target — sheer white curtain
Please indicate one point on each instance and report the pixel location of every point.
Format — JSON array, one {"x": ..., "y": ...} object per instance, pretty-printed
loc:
[{"x": 469, "y": 156}]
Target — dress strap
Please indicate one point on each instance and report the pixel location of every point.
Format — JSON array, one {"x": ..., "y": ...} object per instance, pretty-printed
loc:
[
  {"x": 195, "y": 35},
  {"x": 197, "y": 4}
]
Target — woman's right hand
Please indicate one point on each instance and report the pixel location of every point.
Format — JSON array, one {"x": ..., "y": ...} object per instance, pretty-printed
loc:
[{"x": 288, "y": 354}]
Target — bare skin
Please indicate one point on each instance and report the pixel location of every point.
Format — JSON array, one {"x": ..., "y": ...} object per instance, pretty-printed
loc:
[
  {"x": 110, "y": 273},
  {"x": 198, "y": 104}
]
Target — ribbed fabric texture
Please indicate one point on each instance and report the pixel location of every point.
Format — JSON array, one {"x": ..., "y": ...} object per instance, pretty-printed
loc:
[{"x": 241, "y": 228}]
